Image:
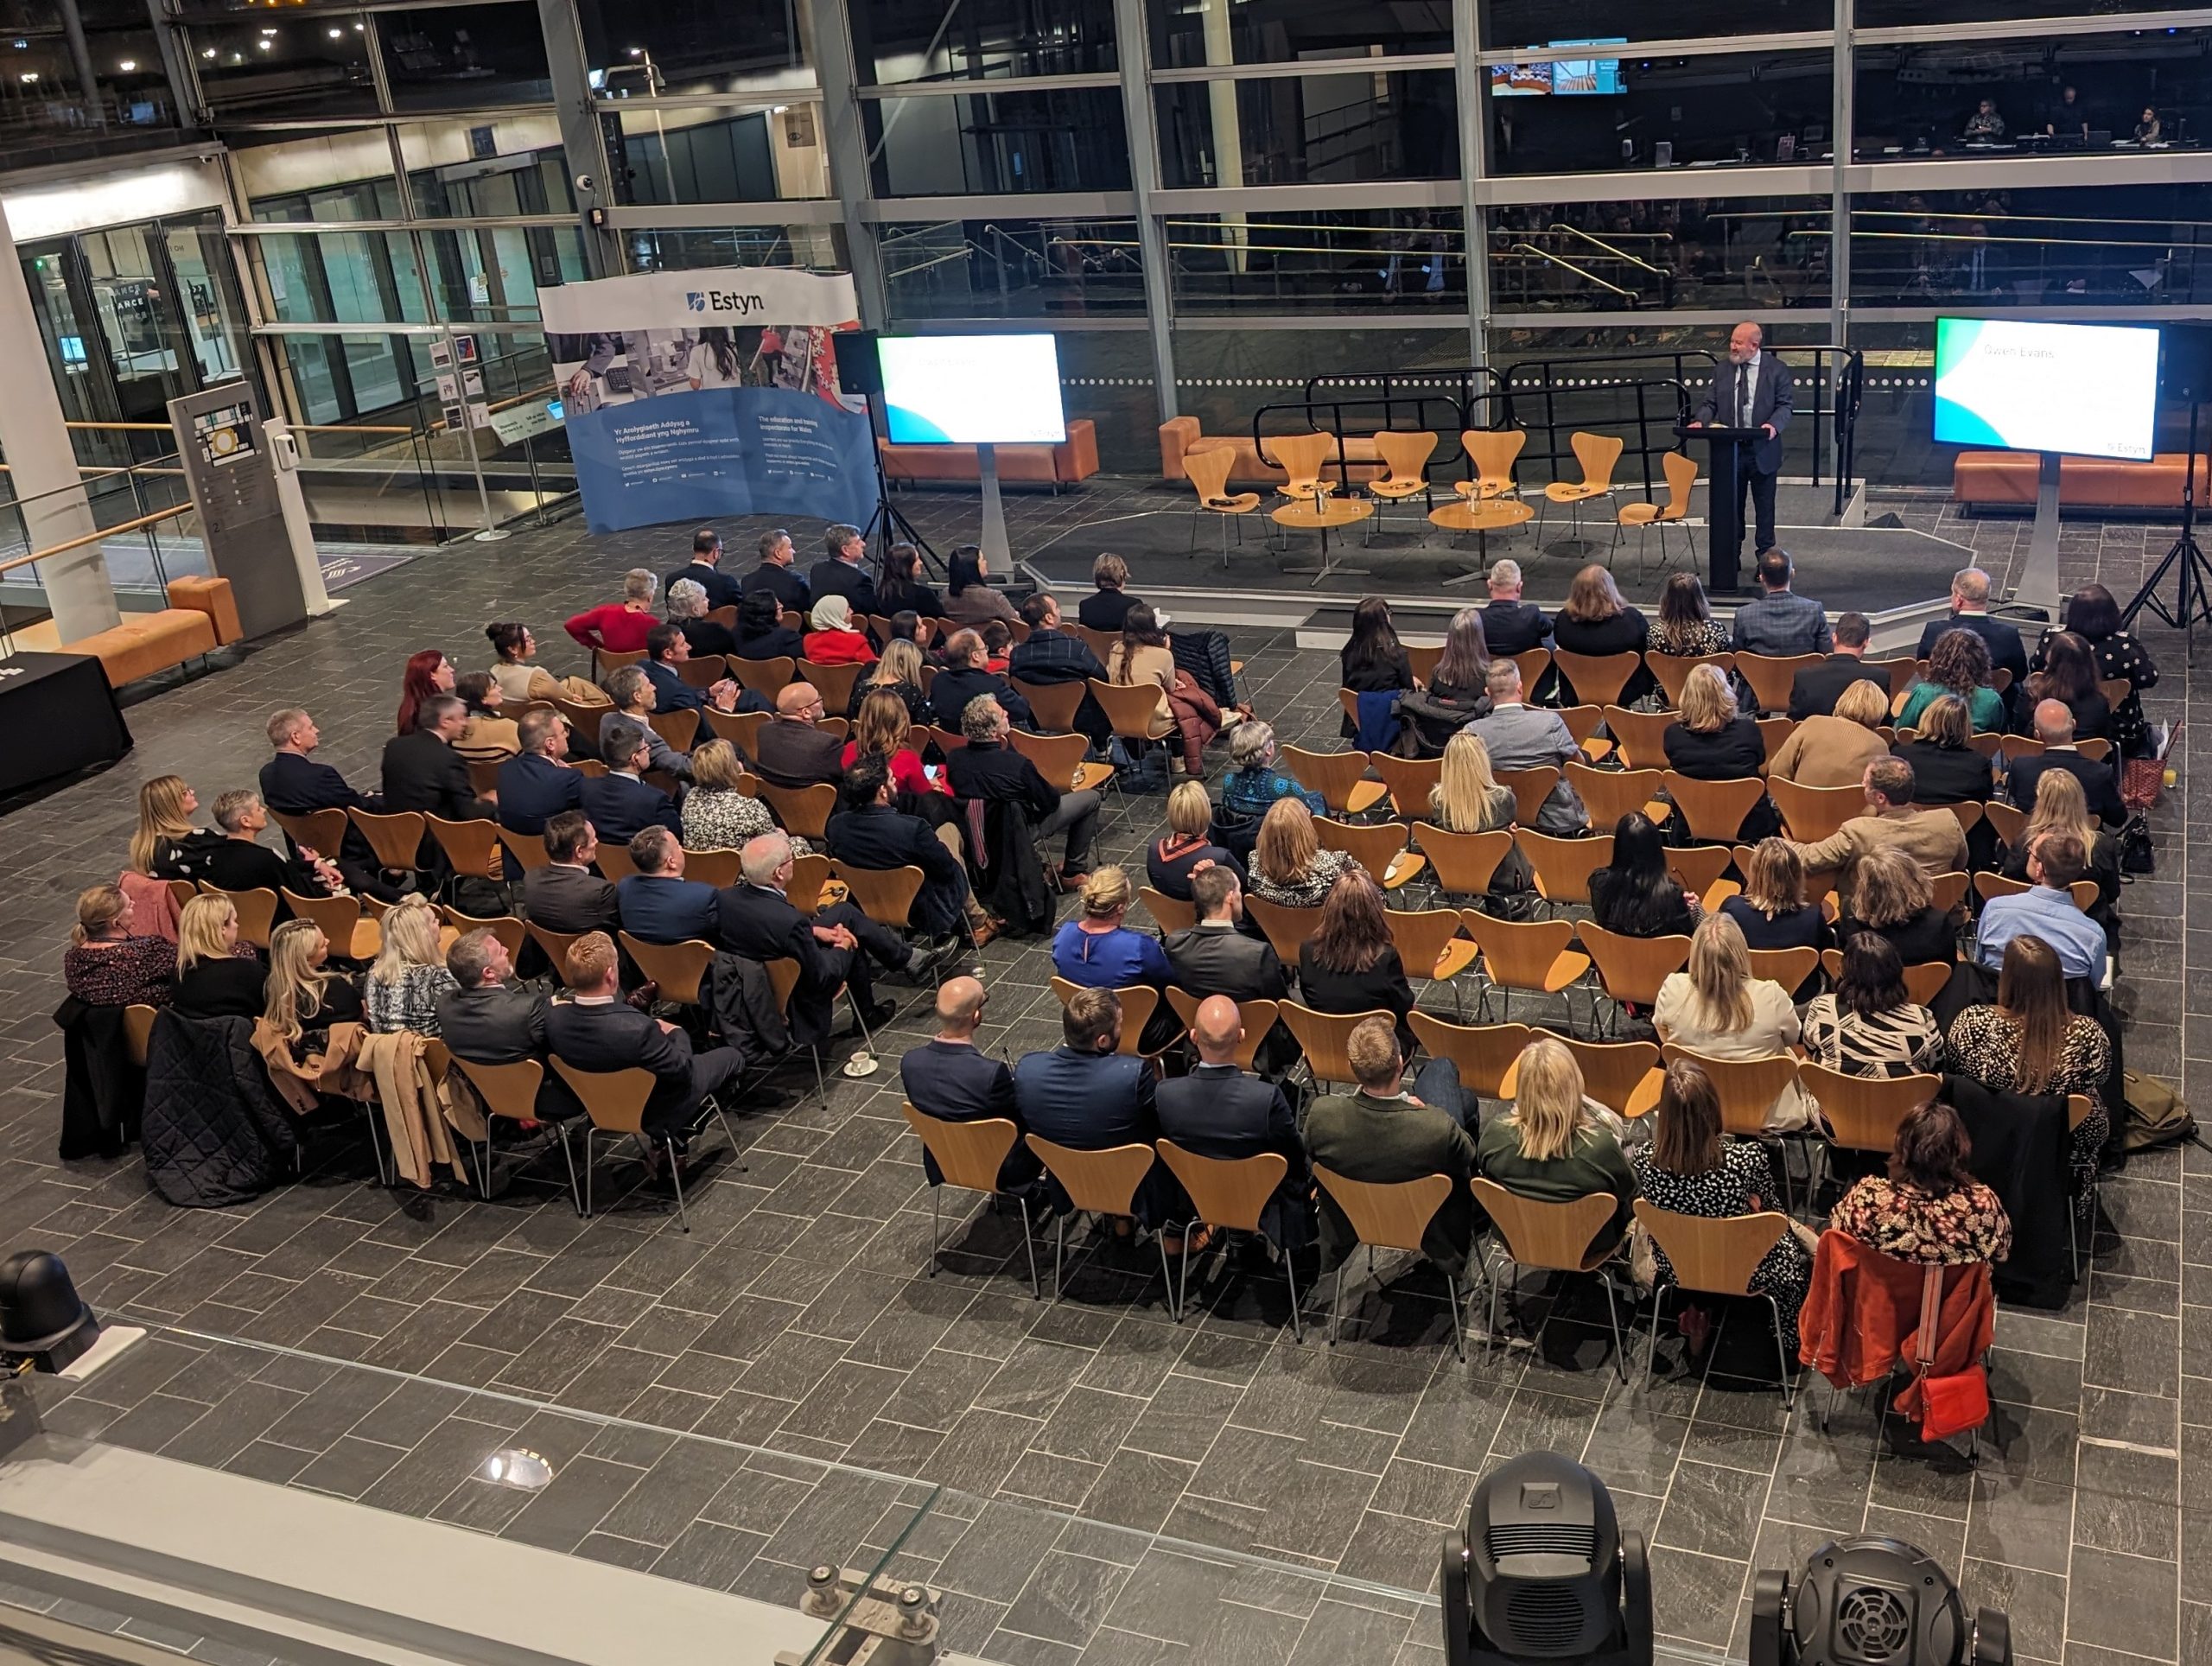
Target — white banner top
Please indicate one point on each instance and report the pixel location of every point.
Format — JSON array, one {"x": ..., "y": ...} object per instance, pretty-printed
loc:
[{"x": 717, "y": 295}]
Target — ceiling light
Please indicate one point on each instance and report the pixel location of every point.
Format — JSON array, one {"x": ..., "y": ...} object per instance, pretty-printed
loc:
[
  {"x": 27, "y": 77},
  {"x": 264, "y": 43},
  {"x": 209, "y": 52},
  {"x": 127, "y": 65},
  {"x": 338, "y": 35}
]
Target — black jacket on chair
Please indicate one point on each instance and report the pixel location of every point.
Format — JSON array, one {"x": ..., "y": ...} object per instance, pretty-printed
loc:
[
  {"x": 761, "y": 924},
  {"x": 1814, "y": 690},
  {"x": 102, "y": 1091},
  {"x": 214, "y": 1132},
  {"x": 877, "y": 836},
  {"x": 420, "y": 771},
  {"x": 533, "y": 790},
  {"x": 1945, "y": 775},
  {"x": 779, "y": 644},
  {"x": 615, "y": 1035},
  {"x": 1209, "y": 960}
]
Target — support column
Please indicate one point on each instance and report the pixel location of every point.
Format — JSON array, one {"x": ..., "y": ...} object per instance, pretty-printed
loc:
[
  {"x": 43, "y": 465},
  {"x": 581, "y": 140},
  {"x": 845, "y": 136},
  {"x": 1468, "y": 77},
  {"x": 1133, "y": 54},
  {"x": 80, "y": 59},
  {"x": 1841, "y": 126}
]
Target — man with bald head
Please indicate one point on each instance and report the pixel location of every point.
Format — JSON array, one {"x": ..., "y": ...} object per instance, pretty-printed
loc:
[
  {"x": 2054, "y": 727},
  {"x": 1220, "y": 1111},
  {"x": 1753, "y": 390},
  {"x": 950, "y": 1078},
  {"x": 1970, "y": 612},
  {"x": 790, "y": 750}
]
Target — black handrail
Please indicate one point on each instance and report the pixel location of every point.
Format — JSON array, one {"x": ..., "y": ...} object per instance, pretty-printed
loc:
[
  {"x": 1478, "y": 385},
  {"x": 1843, "y": 371},
  {"x": 1533, "y": 382},
  {"x": 1455, "y": 414}
]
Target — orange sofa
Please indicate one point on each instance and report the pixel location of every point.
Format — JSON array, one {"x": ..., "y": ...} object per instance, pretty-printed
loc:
[
  {"x": 202, "y": 615},
  {"x": 1074, "y": 459},
  {"x": 1182, "y": 436},
  {"x": 2007, "y": 479}
]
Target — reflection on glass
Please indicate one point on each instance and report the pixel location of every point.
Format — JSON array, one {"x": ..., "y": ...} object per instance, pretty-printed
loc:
[
  {"x": 69, "y": 341},
  {"x": 1539, "y": 22},
  {"x": 691, "y": 46},
  {"x": 1378, "y": 125},
  {"x": 1061, "y": 140},
  {"x": 1617, "y": 110},
  {"x": 1901, "y": 14},
  {"x": 1327, "y": 262},
  {"x": 306, "y": 63},
  {"x": 135, "y": 315},
  {"x": 981, "y": 40},
  {"x": 1188, "y": 33},
  {"x": 1221, "y": 377},
  {"x": 690, "y": 154},
  {"x": 464, "y": 57},
  {"x": 1620, "y": 257},
  {"x": 1010, "y": 269},
  {"x": 816, "y": 248},
  {"x": 465, "y": 170}
]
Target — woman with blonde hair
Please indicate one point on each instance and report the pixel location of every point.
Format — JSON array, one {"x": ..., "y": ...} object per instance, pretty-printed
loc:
[
  {"x": 2062, "y": 807},
  {"x": 1289, "y": 868},
  {"x": 718, "y": 813},
  {"x": 303, "y": 1000},
  {"x": 899, "y": 672},
  {"x": 217, "y": 976},
  {"x": 1712, "y": 741},
  {"x": 166, "y": 846},
  {"x": 108, "y": 965},
  {"x": 1468, "y": 798},
  {"x": 1717, "y": 1008},
  {"x": 879, "y": 731},
  {"x": 1097, "y": 951},
  {"x": 1772, "y": 911},
  {"x": 1835, "y": 751},
  {"x": 1596, "y": 622},
  {"x": 1946, "y": 769},
  {"x": 1254, "y": 781},
  {"x": 1187, "y": 846},
  {"x": 1550, "y": 1148},
  {"x": 1891, "y": 897},
  {"x": 409, "y": 973}
]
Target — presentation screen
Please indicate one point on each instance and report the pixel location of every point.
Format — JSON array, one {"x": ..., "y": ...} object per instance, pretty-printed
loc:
[
  {"x": 1566, "y": 77},
  {"x": 971, "y": 389},
  {"x": 2086, "y": 390}
]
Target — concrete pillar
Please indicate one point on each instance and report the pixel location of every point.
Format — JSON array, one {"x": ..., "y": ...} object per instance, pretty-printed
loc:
[{"x": 43, "y": 468}]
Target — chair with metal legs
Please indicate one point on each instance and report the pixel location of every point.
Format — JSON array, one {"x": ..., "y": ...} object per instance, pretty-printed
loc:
[
  {"x": 1390, "y": 1216},
  {"x": 615, "y": 1102},
  {"x": 1553, "y": 1238},
  {"x": 511, "y": 1090},
  {"x": 1233, "y": 1195},
  {"x": 1098, "y": 1183},
  {"x": 1715, "y": 1257},
  {"x": 969, "y": 1155}
]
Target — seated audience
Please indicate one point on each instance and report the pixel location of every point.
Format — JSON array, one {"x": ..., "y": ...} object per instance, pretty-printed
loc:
[
  {"x": 620, "y": 626},
  {"x": 2054, "y": 728},
  {"x": 1519, "y": 736},
  {"x": 1220, "y": 1112},
  {"x": 832, "y": 640},
  {"x": 1142, "y": 656},
  {"x": 595, "y": 1029},
  {"x": 1384, "y": 1136},
  {"x": 688, "y": 606},
  {"x": 519, "y": 680},
  {"x": 1350, "y": 963},
  {"x": 2028, "y": 1042},
  {"x": 668, "y": 650},
  {"x": 952, "y": 1078},
  {"x": 718, "y": 813},
  {"x": 217, "y": 974},
  {"x": 988, "y": 769},
  {"x": 240, "y": 862},
  {"x": 1458, "y": 691},
  {"x": 998, "y": 643},
  {"x": 1373, "y": 660},
  {"x": 870, "y": 830},
  {"x": 1999, "y": 637},
  {"x": 964, "y": 680},
  {"x": 1097, "y": 951},
  {"x": 843, "y": 572},
  {"x": 1468, "y": 798},
  {"x": 1958, "y": 666},
  {"x": 899, "y": 674},
  {"x": 881, "y": 731},
  {"x": 1053, "y": 654},
  {"x": 1550, "y": 1148},
  {"x": 790, "y": 750},
  {"x": 565, "y": 895},
  {"x": 1867, "y": 1026},
  {"x": 1771, "y": 911},
  {"x": 1814, "y": 690},
  {"x": 427, "y": 673},
  {"x": 409, "y": 973},
  {"x": 1511, "y": 625},
  {"x": 2067, "y": 674},
  {"x": 838, "y": 947},
  {"x": 761, "y": 633},
  {"x": 1598, "y": 624},
  {"x": 969, "y": 597},
  {"x": 1712, "y": 741},
  {"x": 656, "y": 903},
  {"x": 1835, "y": 751},
  {"x": 902, "y": 587},
  {"x": 1187, "y": 848},
  {"x": 1927, "y": 1207},
  {"x": 486, "y": 737},
  {"x": 1890, "y": 898},
  {"x": 2061, "y": 807},
  {"x": 1108, "y": 604},
  {"x": 538, "y": 782},
  {"x": 1946, "y": 769},
  {"x": 1717, "y": 1008},
  {"x": 1688, "y": 1169},
  {"x": 1634, "y": 894},
  {"x": 302, "y": 997},
  {"x": 619, "y": 802},
  {"x": 107, "y": 965},
  {"x": 776, "y": 576},
  {"x": 423, "y": 772},
  {"x": 1686, "y": 627},
  {"x": 1289, "y": 868},
  {"x": 166, "y": 846},
  {"x": 293, "y": 784},
  {"x": 1213, "y": 956},
  {"x": 487, "y": 1018},
  {"x": 2046, "y": 910},
  {"x": 1778, "y": 622},
  {"x": 1254, "y": 781},
  {"x": 1931, "y": 839},
  {"x": 1086, "y": 1095},
  {"x": 716, "y": 588},
  {"x": 2093, "y": 614},
  {"x": 636, "y": 698}
]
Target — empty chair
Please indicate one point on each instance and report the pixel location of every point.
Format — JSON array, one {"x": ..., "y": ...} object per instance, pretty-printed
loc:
[
  {"x": 1301, "y": 456},
  {"x": 1463, "y": 863},
  {"x": 1378, "y": 846},
  {"x": 511, "y": 1091},
  {"x": 1563, "y": 866},
  {"x": 1338, "y": 777},
  {"x": 352, "y": 934},
  {"x": 1483, "y": 1054},
  {"x": 1714, "y": 811},
  {"x": 1103, "y": 1183},
  {"x": 1597, "y": 453},
  {"x": 1406, "y": 456},
  {"x": 1536, "y": 956},
  {"x": 1681, "y": 475},
  {"x": 1408, "y": 780},
  {"x": 1390, "y": 1216},
  {"x": 1641, "y": 735},
  {"x": 804, "y": 811},
  {"x": 1630, "y": 969},
  {"x": 1209, "y": 474},
  {"x": 1493, "y": 452}
]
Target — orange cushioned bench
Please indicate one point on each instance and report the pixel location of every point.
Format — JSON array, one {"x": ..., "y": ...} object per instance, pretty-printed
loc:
[
  {"x": 1180, "y": 437},
  {"x": 202, "y": 616},
  {"x": 1074, "y": 459},
  {"x": 2006, "y": 479}
]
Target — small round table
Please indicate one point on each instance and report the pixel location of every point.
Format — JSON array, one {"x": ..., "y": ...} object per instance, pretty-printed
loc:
[
  {"x": 1481, "y": 516},
  {"x": 1321, "y": 513}
]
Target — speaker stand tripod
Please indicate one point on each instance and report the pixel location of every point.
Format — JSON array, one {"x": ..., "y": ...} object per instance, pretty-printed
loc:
[
  {"x": 888, "y": 525},
  {"x": 2193, "y": 598}
]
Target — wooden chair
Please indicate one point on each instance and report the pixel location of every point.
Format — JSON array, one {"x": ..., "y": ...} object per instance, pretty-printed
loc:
[
  {"x": 1625, "y": 1077},
  {"x": 1406, "y": 456},
  {"x": 509, "y": 931},
  {"x": 1284, "y": 928},
  {"x": 1408, "y": 780},
  {"x": 719, "y": 869},
  {"x": 1630, "y": 970},
  {"x": 511, "y": 1091},
  {"x": 1597, "y": 678},
  {"x": 886, "y": 895},
  {"x": 1097, "y": 1182},
  {"x": 1788, "y": 967},
  {"x": 1138, "y": 1001},
  {"x": 1100, "y": 643},
  {"x": 583, "y": 718},
  {"x": 1532, "y": 954},
  {"x": 1493, "y": 451},
  {"x": 351, "y": 933},
  {"x": 1610, "y": 794},
  {"x": 1234, "y": 1195},
  {"x": 1059, "y": 758},
  {"x": 1302, "y": 457},
  {"x": 556, "y": 946},
  {"x": 138, "y": 1032},
  {"x": 397, "y": 838},
  {"x": 321, "y": 830},
  {"x": 483, "y": 776},
  {"x": 1323, "y": 1038},
  {"x": 677, "y": 967},
  {"x": 1771, "y": 676},
  {"x": 1378, "y": 846},
  {"x": 833, "y": 683},
  {"x": 1428, "y": 943},
  {"x": 1773, "y": 732},
  {"x": 969, "y": 1155},
  {"x": 1673, "y": 670},
  {"x": 1209, "y": 474},
  {"x": 589, "y": 766},
  {"x": 1532, "y": 664},
  {"x": 741, "y": 728},
  {"x": 1055, "y": 704},
  {"x": 1563, "y": 866},
  {"x": 680, "y": 729},
  {"x": 2009, "y": 821},
  {"x": 765, "y": 677},
  {"x": 1716, "y": 1257},
  {"x": 1714, "y": 811},
  {"x": 1168, "y": 913},
  {"x": 1464, "y": 863},
  {"x": 615, "y": 1102},
  {"x": 527, "y": 848},
  {"x": 255, "y": 909},
  {"x": 1258, "y": 1017},
  {"x": 1698, "y": 868},
  {"x": 810, "y": 876},
  {"x": 1682, "y": 475},
  {"x": 1552, "y": 1237},
  {"x": 1863, "y": 1112},
  {"x": 1424, "y": 660},
  {"x": 1641, "y": 737},
  {"x": 473, "y": 847},
  {"x": 1989, "y": 886},
  {"x": 1485, "y": 1052},
  {"x": 615, "y": 863},
  {"x": 1131, "y": 711},
  {"x": 1530, "y": 788},
  {"x": 1810, "y": 814},
  {"x": 1583, "y": 723},
  {"x": 1390, "y": 1216},
  {"x": 702, "y": 671},
  {"x": 1747, "y": 1087},
  {"x": 1596, "y": 453},
  {"x": 804, "y": 810},
  {"x": 1338, "y": 777},
  {"x": 182, "y": 891}
]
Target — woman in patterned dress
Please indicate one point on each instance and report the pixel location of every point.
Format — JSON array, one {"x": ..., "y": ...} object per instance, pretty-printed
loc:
[
  {"x": 1866, "y": 1026},
  {"x": 2029, "y": 1043},
  {"x": 1927, "y": 1208}
]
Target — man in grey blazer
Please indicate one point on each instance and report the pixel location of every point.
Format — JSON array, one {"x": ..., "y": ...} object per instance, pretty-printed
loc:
[
  {"x": 1520, "y": 736},
  {"x": 1751, "y": 390}
]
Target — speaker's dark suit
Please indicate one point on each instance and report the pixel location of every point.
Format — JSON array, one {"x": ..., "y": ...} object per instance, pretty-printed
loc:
[{"x": 1759, "y": 461}]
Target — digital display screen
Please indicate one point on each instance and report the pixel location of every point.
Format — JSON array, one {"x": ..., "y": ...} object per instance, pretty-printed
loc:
[
  {"x": 2085, "y": 390},
  {"x": 972, "y": 390},
  {"x": 1563, "y": 77}
]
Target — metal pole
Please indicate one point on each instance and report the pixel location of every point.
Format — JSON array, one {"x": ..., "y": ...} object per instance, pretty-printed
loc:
[
  {"x": 1135, "y": 56},
  {"x": 845, "y": 136},
  {"x": 582, "y": 141},
  {"x": 1470, "y": 80},
  {"x": 1841, "y": 126},
  {"x": 81, "y": 61}
]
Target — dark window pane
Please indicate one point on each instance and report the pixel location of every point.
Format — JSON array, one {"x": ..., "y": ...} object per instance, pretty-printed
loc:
[
  {"x": 1225, "y": 377},
  {"x": 1731, "y": 107},
  {"x": 490, "y": 169},
  {"x": 818, "y": 248},
  {"x": 1013, "y": 268},
  {"x": 702, "y": 155},
  {"x": 1339, "y": 262},
  {"x": 988, "y": 142},
  {"x": 1188, "y": 33},
  {"x": 1338, "y": 127},
  {"x": 690, "y": 44},
  {"x": 464, "y": 57},
  {"x": 310, "y": 63},
  {"x": 1905, "y": 13},
  {"x": 960, "y": 40},
  {"x": 1607, "y": 257},
  {"x": 1544, "y": 23}
]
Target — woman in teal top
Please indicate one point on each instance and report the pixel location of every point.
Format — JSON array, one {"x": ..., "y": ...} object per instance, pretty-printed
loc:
[{"x": 1959, "y": 664}]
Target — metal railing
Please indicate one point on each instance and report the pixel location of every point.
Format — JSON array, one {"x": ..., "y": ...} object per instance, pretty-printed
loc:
[
  {"x": 107, "y": 537},
  {"x": 1608, "y": 394},
  {"x": 1426, "y": 409}
]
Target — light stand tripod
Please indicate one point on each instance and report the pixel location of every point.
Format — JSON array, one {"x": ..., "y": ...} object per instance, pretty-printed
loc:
[
  {"x": 887, "y": 525},
  {"x": 2193, "y": 600}
]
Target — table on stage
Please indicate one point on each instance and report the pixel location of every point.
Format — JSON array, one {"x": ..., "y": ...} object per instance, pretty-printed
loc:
[
  {"x": 59, "y": 716},
  {"x": 1482, "y": 516},
  {"x": 1321, "y": 512}
]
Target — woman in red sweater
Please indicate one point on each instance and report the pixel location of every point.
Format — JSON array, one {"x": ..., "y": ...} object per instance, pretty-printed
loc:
[
  {"x": 620, "y": 628},
  {"x": 833, "y": 641},
  {"x": 881, "y": 730}
]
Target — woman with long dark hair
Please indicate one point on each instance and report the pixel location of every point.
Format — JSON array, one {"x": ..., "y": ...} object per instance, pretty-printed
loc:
[
  {"x": 2093, "y": 614},
  {"x": 1685, "y": 626},
  {"x": 2067, "y": 675},
  {"x": 760, "y": 633},
  {"x": 1373, "y": 660},
  {"x": 969, "y": 598},
  {"x": 1350, "y": 965},
  {"x": 1867, "y": 1024},
  {"x": 1458, "y": 691},
  {"x": 2029, "y": 1042},
  {"x": 900, "y": 586},
  {"x": 427, "y": 673},
  {"x": 1634, "y": 895}
]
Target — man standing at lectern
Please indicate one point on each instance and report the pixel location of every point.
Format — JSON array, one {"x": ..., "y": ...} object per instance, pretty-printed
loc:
[{"x": 1753, "y": 390}]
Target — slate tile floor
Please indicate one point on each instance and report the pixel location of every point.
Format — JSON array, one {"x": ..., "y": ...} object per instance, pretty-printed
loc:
[{"x": 795, "y": 1318}]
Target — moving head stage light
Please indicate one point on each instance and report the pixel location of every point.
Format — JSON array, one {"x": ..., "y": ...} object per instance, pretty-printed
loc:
[{"x": 1872, "y": 1602}]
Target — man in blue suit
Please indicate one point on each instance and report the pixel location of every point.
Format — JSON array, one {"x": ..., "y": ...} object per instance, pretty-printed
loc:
[
  {"x": 619, "y": 804},
  {"x": 1086, "y": 1095},
  {"x": 538, "y": 783},
  {"x": 658, "y": 903},
  {"x": 666, "y": 649},
  {"x": 952, "y": 1078},
  {"x": 704, "y": 570},
  {"x": 1220, "y": 1111}
]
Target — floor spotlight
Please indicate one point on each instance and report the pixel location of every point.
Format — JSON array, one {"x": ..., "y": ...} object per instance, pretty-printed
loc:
[{"x": 1872, "y": 1602}]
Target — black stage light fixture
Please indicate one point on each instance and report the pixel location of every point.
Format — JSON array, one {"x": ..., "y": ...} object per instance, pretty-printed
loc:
[
  {"x": 1872, "y": 1602},
  {"x": 1544, "y": 1572},
  {"x": 42, "y": 1319}
]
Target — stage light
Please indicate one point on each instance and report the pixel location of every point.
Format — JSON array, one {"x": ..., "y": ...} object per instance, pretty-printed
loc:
[
  {"x": 1544, "y": 1572},
  {"x": 519, "y": 1468},
  {"x": 1872, "y": 1602},
  {"x": 42, "y": 1319}
]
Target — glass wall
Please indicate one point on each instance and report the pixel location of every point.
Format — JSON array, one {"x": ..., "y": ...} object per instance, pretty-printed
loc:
[
  {"x": 1592, "y": 115},
  {"x": 989, "y": 144},
  {"x": 1336, "y": 127},
  {"x": 1013, "y": 268}
]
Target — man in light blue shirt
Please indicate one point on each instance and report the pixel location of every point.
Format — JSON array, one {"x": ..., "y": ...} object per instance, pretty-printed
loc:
[
  {"x": 1776, "y": 621},
  {"x": 2046, "y": 911}
]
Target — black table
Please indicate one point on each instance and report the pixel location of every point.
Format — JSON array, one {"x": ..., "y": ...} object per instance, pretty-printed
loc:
[{"x": 57, "y": 716}]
